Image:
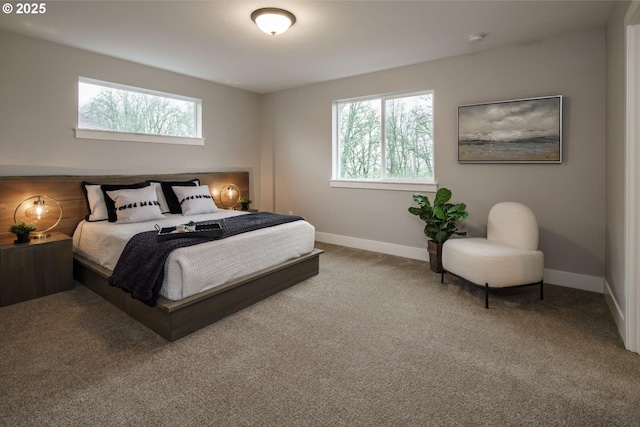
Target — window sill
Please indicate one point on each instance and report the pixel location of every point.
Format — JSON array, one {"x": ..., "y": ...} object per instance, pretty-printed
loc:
[
  {"x": 425, "y": 187},
  {"x": 136, "y": 137}
]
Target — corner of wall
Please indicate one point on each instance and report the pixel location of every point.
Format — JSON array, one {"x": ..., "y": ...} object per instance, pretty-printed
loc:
[{"x": 614, "y": 307}]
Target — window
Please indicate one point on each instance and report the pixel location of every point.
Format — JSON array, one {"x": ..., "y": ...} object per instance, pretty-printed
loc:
[
  {"x": 384, "y": 140},
  {"x": 113, "y": 111}
]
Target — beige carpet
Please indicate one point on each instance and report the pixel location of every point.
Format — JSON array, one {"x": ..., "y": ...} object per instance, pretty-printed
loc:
[{"x": 373, "y": 340}]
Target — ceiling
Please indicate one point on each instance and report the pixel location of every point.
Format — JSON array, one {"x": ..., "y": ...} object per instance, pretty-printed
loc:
[{"x": 217, "y": 41}]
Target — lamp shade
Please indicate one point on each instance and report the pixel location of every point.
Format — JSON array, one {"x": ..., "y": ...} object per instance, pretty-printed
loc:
[
  {"x": 272, "y": 20},
  {"x": 39, "y": 209}
]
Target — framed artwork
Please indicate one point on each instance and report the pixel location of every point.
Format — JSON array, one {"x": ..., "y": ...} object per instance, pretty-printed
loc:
[{"x": 518, "y": 131}]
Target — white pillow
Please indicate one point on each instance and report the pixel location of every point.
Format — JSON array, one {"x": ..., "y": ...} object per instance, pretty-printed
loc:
[
  {"x": 195, "y": 200},
  {"x": 97, "y": 206},
  {"x": 136, "y": 204},
  {"x": 164, "y": 206}
]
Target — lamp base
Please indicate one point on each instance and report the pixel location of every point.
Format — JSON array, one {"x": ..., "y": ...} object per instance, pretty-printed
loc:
[{"x": 42, "y": 235}]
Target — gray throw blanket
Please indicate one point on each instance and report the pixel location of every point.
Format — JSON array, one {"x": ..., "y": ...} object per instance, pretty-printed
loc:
[{"x": 140, "y": 268}]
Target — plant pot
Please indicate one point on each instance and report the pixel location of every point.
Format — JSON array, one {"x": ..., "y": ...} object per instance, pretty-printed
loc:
[
  {"x": 435, "y": 256},
  {"x": 245, "y": 206},
  {"x": 22, "y": 238}
]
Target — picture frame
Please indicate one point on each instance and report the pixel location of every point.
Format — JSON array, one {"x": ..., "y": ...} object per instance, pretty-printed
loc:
[{"x": 518, "y": 131}]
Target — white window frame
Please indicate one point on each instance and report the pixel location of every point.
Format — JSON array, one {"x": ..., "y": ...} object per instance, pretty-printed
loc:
[
  {"x": 82, "y": 133},
  {"x": 392, "y": 184}
]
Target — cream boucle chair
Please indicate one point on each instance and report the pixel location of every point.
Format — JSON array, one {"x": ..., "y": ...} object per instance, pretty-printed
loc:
[{"x": 508, "y": 257}]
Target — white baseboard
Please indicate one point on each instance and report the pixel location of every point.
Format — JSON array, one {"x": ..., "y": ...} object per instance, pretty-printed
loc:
[
  {"x": 614, "y": 308},
  {"x": 554, "y": 277},
  {"x": 574, "y": 280},
  {"x": 374, "y": 246}
]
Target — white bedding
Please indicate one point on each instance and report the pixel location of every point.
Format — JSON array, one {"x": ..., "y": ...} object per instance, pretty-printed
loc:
[{"x": 196, "y": 268}]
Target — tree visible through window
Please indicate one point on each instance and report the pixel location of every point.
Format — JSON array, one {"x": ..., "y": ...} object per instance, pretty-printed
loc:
[
  {"x": 107, "y": 106},
  {"x": 388, "y": 138}
]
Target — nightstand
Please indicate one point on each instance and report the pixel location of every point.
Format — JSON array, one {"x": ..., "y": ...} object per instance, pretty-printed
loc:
[{"x": 35, "y": 269}]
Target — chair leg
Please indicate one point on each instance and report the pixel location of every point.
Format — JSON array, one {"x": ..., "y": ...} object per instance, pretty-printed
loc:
[
  {"x": 486, "y": 295},
  {"x": 541, "y": 290},
  {"x": 442, "y": 275}
]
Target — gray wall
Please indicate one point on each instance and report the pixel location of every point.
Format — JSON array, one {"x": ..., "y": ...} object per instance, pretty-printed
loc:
[
  {"x": 568, "y": 199},
  {"x": 285, "y": 138},
  {"x": 38, "y": 112},
  {"x": 615, "y": 166}
]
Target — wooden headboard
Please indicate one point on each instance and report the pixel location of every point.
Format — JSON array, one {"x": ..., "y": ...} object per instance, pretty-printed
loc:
[{"x": 68, "y": 191}]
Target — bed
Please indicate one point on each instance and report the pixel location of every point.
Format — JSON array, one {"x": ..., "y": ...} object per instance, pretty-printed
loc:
[{"x": 229, "y": 274}]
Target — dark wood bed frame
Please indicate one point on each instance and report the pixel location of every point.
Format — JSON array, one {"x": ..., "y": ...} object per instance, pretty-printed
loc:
[{"x": 170, "y": 319}]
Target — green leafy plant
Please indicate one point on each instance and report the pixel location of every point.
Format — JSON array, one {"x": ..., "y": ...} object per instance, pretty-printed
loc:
[
  {"x": 441, "y": 217},
  {"x": 22, "y": 227},
  {"x": 244, "y": 202}
]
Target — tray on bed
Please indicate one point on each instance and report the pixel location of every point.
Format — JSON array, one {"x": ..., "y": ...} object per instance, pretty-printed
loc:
[{"x": 201, "y": 230}]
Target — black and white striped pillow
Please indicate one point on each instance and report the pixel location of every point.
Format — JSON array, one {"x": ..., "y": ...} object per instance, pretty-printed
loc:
[
  {"x": 136, "y": 205},
  {"x": 195, "y": 200}
]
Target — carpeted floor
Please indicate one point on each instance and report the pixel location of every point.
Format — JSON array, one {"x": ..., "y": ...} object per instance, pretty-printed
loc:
[{"x": 373, "y": 340}]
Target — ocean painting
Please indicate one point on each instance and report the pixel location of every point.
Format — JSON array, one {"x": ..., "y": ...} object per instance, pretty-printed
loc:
[{"x": 520, "y": 131}]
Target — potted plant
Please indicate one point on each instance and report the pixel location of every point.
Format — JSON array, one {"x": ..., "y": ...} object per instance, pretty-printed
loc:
[
  {"x": 22, "y": 229},
  {"x": 440, "y": 219},
  {"x": 245, "y": 203}
]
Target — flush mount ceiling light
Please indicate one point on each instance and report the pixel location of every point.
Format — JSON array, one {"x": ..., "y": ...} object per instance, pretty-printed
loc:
[
  {"x": 272, "y": 20},
  {"x": 477, "y": 38}
]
